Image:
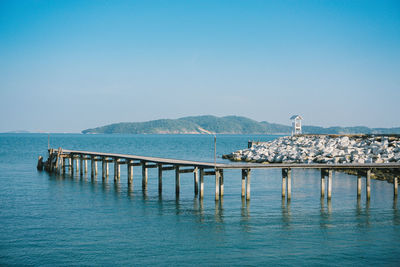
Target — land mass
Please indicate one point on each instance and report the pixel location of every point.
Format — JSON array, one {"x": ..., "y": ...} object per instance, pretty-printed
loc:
[{"x": 225, "y": 125}]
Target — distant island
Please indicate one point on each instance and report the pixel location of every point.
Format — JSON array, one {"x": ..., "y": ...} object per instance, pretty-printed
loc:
[{"x": 224, "y": 125}]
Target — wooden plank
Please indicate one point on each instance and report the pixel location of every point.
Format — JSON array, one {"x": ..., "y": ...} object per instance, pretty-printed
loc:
[
  {"x": 150, "y": 166},
  {"x": 209, "y": 173},
  {"x": 241, "y": 165},
  {"x": 186, "y": 170}
]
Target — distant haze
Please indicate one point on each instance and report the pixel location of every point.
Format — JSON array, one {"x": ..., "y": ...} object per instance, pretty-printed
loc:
[{"x": 66, "y": 66}]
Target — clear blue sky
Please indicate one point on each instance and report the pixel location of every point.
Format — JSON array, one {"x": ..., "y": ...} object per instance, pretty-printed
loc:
[{"x": 70, "y": 65}]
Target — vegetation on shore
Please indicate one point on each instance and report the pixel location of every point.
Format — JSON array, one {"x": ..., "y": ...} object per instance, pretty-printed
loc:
[{"x": 224, "y": 125}]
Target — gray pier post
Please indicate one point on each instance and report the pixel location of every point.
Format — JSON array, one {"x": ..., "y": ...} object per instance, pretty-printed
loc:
[
  {"x": 248, "y": 178},
  {"x": 144, "y": 175},
  {"x": 196, "y": 180},
  {"x": 201, "y": 183},
  {"x": 217, "y": 181},
  {"x": 368, "y": 184},
  {"x": 323, "y": 174},
  {"x": 177, "y": 181},
  {"x": 329, "y": 184},
  {"x": 159, "y": 178},
  {"x": 395, "y": 185},
  {"x": 130, "y": 171}
]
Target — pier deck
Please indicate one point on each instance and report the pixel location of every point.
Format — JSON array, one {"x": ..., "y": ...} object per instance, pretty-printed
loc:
[{"x": 200, "y": 169}]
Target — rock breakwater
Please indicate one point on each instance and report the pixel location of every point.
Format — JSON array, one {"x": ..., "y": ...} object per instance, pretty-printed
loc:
[{"x": 322, "y": 149}]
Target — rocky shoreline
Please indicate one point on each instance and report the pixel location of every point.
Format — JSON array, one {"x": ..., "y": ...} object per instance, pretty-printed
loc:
[
  {"x": 322, "y": 149},
  {"x": 325, "y": 149}
]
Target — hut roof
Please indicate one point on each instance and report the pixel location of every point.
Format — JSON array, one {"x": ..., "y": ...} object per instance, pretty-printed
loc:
[{"x": 296, "y": 117}]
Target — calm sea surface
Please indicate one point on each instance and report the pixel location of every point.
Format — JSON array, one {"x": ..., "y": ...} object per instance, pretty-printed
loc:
[{"x": 52, "y": 220}]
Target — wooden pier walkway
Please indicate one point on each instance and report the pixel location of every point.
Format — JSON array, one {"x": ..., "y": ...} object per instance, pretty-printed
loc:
[{"x": 57, "y": 163}]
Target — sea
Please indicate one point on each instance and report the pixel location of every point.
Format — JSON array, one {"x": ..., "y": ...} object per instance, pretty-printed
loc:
[{"x": 55, "y": 220}]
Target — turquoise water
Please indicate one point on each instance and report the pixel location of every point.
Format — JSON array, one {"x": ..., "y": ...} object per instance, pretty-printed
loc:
[{"x": 52, "y": 220}]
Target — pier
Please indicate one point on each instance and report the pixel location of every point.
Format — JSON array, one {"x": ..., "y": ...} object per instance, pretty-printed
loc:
[{"x": 77, "y": 162}]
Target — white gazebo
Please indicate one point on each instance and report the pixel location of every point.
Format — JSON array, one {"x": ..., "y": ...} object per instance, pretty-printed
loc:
[{"x": 296, "y": 124}]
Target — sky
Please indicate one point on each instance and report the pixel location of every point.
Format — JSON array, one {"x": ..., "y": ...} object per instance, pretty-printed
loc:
[{"x": 67, "y": 65}]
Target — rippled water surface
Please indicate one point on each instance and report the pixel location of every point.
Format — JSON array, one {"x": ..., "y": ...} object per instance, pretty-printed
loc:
[{"x": 72, "y": 220}]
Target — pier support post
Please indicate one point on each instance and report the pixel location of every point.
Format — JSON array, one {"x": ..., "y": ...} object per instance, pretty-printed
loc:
[
  {"x": 77, "y": 164},
  {"x": 103, "y": 168},
  {"x": 63, "y": 165},
  {"x": 71, "y": 162},
  {"x": 368, "y": 184},
  {"x": 201, "y": 183},
  {"x": 159, "y": 178},
  {"x": 221, "y": 183},
  {"x": 329, "y": 184},
  {"x": 196, "y": 180},
  {"x": 289, "y": 184},
  {"x": 116, "y": 169},
  {"x": 177, "y": 181},
  {"x": 284, "y": 174},
  {"x": 144, "y": 175},
  {"x": 323, "y": 174},
  {"x": 81, "y": 163},
  {"x": 359, "y": 184},
  {"x": 86, "y": 168},
  {"x": 243, "y": 182},
  {"x": 130, "y": 171},
  {"x": 93, "y": 165},
  {"x": 395, "y": 185},
  {"x": 217, "y": 180},
  {"x": 248, "y": 178}
]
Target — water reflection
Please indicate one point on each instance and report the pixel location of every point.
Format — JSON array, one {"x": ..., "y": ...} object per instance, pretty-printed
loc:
[
  {"x": 286, "y": 214},
  {"x": 219, "y": 211},
  {"x": 245, "y": 210},
  {"x": 396, "y": 217},
  {"x": 363, "y": 214}
]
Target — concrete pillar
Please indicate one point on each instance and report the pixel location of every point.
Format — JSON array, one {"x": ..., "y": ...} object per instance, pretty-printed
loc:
[
  {"x": 81, "y": 163},
  {"x": 244, "y": 182},
  {"x": 359, "y": 183},
  {"x": 63, "y": 165},
  {"x": 329, "y": 184},
  {"x": 177, "y": 181},
  {"x": 217, "y": 180},
  {"x": 103, "y": 168},
  {"x": 107, "y": 169},
  {"x": 395, "y": 185},
  {"x": 72, "y": 162},
  {"x": 196, "y": 180},
  {"x": 144, "y": 175},
  {"x": 69, "y": 164},
  {"x": 248, "y": 178},
  {"x": 95, "y": 167},
  {"x": 368, "y": 185},
  {"x": 322, "y": 183},
  {"x": 160, "y": 178},
  {"x": 130, "y": 171},
  {"x": 92, "y": 166},
  {"x": 221, "y": 183},
  {"x": 284, "y": 174},
  {"x": 77, "y": 164},
  {"x": 201, "y": 183},
  {"x": 86, "y": 168},
  {"x": 289, "y": 184},
  {"x": 116, "y": 166}
]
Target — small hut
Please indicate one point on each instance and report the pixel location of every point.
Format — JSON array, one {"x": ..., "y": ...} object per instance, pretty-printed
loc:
[{"x": 296, "y": 124}]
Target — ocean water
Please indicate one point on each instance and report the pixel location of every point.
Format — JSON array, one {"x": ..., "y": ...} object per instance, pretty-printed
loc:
[{"x": 72, "y": 220}]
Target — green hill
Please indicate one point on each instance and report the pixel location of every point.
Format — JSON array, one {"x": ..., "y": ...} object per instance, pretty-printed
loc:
[{"x": 224, "y": 125}]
